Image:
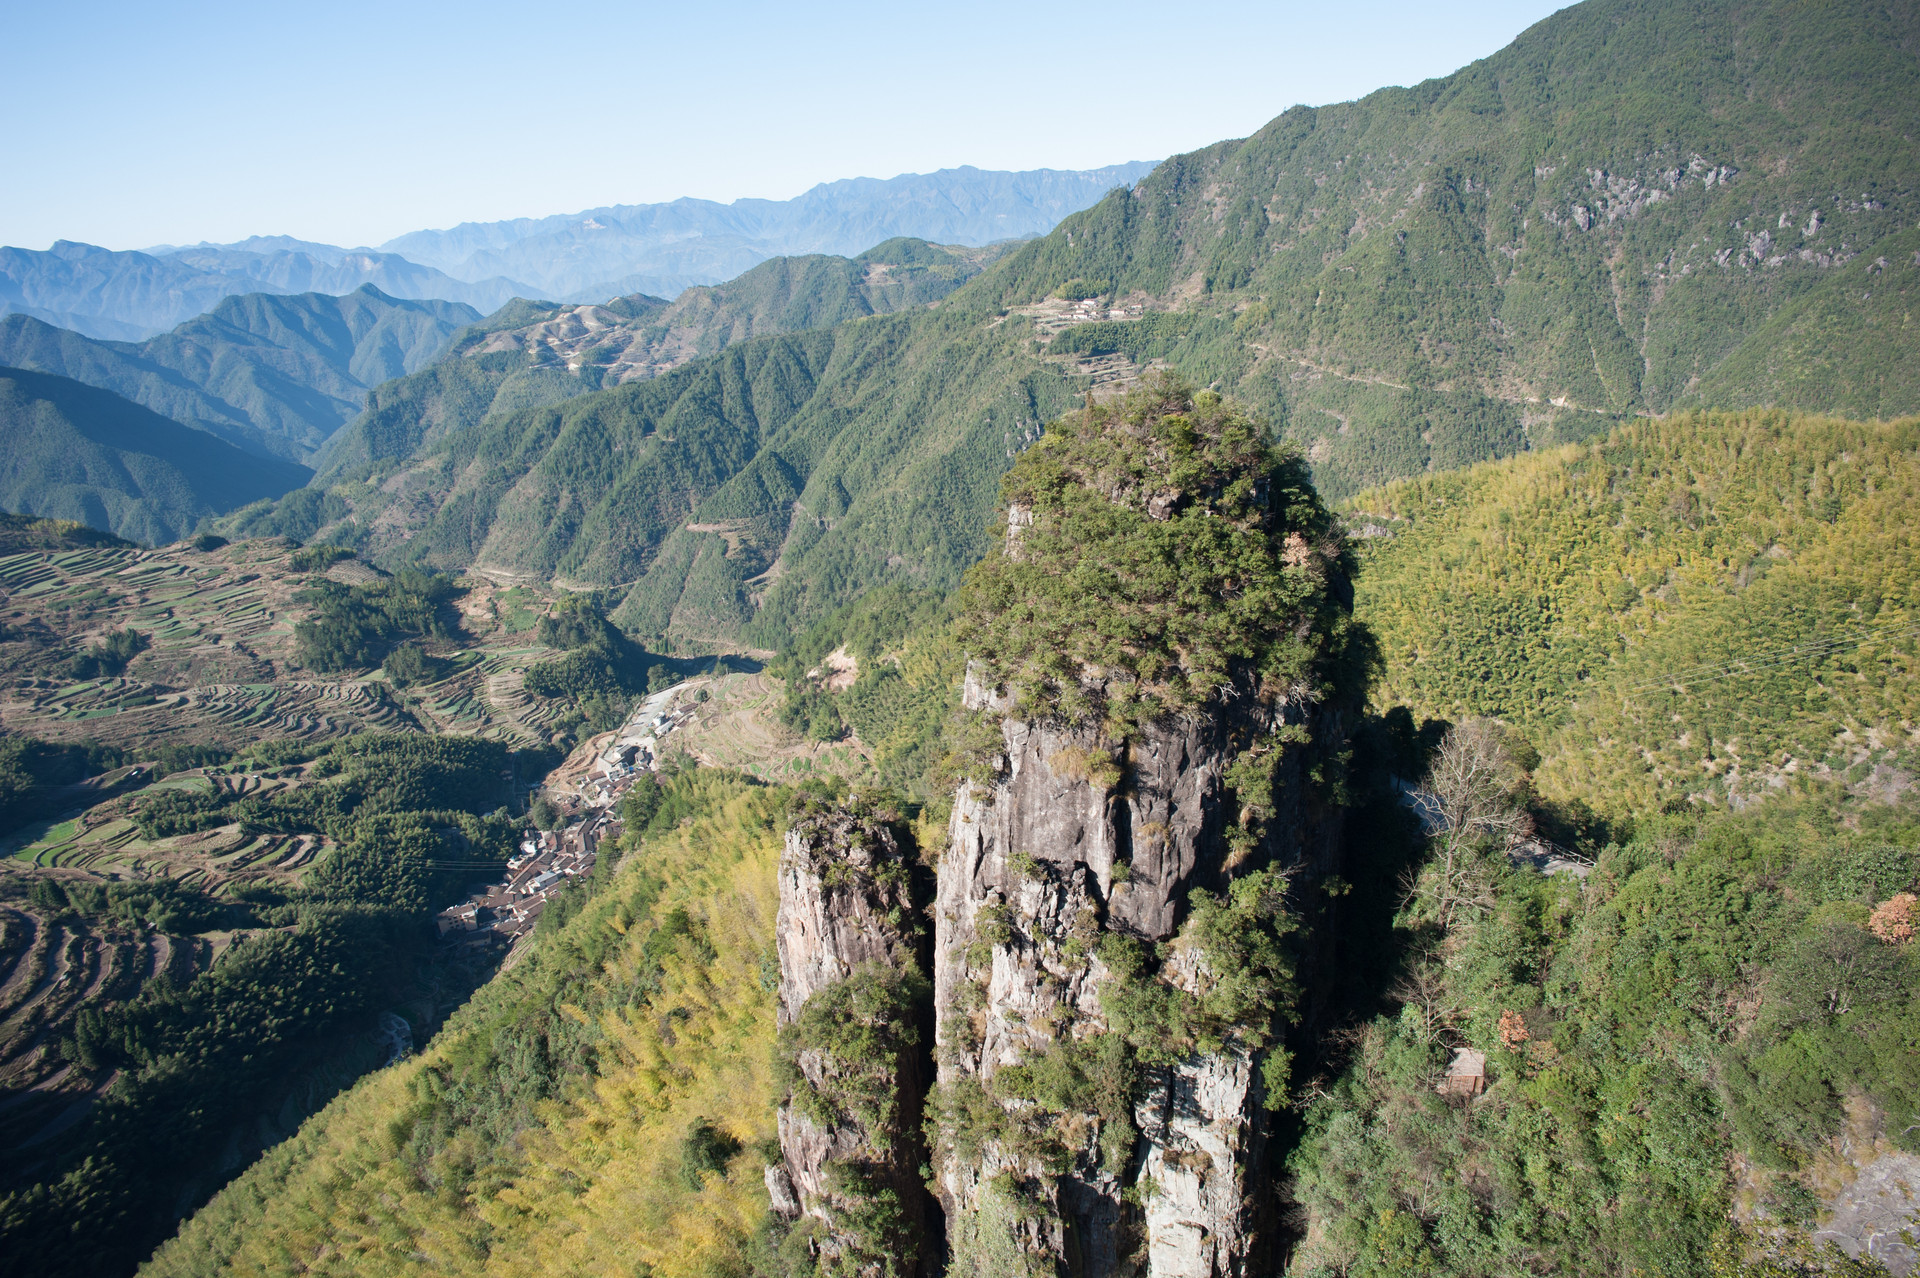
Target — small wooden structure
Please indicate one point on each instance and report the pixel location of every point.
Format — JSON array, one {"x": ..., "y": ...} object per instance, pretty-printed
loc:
[{"x": 1466, "y": 1073}]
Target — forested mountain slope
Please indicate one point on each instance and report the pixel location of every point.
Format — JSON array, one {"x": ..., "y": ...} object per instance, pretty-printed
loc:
[
  {"x": 1547, "y": 242},
  {"x": 1634, "y": 206},
  {"x": 534, "y": 353},
  {"x": 803, "y": 461},
  {"x": 1694, "y": 610},
  {"x": 71, "y": 451},
  {"x": 271, "y": 374}
]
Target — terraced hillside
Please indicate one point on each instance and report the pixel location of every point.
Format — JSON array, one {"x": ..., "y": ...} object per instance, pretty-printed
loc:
[
  {"x": 190, "y": 967},
  {"x": 266, "y": 801},
  {"x": 53, "y": 966},
  {"x": 221, "y": 668}
]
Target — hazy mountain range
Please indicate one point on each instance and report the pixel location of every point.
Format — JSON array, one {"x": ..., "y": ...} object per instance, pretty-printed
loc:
[
  {"x": 133, "y": 296},
  {"x": 274, "y": 375},
  {"x": 660, "y": 249},
  {"x": 635, "y": 248}
]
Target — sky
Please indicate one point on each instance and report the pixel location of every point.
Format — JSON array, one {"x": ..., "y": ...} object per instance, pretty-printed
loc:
[{"x": 135, "y": 124}]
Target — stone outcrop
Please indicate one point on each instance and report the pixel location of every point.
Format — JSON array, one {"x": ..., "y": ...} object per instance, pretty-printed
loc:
[
  {"x": 849, "y": 940},
  {"x": 1203, "y": 1142},
  {"x": 1110, "y": 969},
  {"x": 1075, "y": 840}
]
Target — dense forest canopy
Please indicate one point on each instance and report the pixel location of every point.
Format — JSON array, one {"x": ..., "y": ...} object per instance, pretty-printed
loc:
[
  {"x": 1159, "y": 551},
  {"x": 1686, "y": 610}
]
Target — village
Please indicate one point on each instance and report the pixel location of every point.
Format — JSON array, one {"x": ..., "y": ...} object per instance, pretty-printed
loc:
[{"x": 587, "y": 794}]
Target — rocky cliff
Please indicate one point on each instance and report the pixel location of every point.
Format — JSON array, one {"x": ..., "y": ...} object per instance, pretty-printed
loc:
[
  {"x": 1148, "y": 725},
  {"x": 852, "y": 1002},
  {"x": 1069, "y": 1141},
  {"x": 1151, "y": 720}
]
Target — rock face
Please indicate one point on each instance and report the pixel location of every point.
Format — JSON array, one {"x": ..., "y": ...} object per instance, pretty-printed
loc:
[
  {"x": 1073, "y": 842},
  {"x": 851, "y": 999},
  {"x": 1199, "y": 1125}
]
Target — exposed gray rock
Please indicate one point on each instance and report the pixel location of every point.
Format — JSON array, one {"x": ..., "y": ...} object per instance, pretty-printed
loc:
[
  {"x": 835, "y": 912},
  {"x": 846, "y": 912},
  {"x": 1200, "y": 1124},
  {"x": 1878, "y": 1215},
  {"x": 1057, "y": 852}
]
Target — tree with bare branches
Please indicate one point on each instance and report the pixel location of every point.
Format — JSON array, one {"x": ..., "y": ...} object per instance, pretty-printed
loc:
[{"x": 1470, "y": 800}]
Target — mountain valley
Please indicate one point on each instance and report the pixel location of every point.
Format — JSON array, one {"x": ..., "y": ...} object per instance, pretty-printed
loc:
[{"x": 1340, "y": 705}]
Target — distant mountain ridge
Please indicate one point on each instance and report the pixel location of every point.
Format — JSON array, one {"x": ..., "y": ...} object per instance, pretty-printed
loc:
[
  {"x": 617, "y": 248},
  {"x": 133, "y": 296},
  {"x": 659, "y": 249},
  {"x": 274, "y": 375},
  {"x": 72, "y": 451}
]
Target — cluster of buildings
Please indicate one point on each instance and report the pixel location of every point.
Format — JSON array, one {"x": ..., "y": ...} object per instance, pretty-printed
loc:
[
  {"x": 636, "y": 747},
  {"x": 549, "y": 860},
  {"x": 1090, "y": 309}
]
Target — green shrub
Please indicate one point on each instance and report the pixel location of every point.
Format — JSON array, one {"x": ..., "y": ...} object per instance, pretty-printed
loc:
[
  {"x": 1163, "y": 543},
  {"x": 1078, "y": 290}
]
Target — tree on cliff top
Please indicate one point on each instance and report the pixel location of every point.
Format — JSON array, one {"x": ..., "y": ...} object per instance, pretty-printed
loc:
[{"x": 1161, "y": 551}]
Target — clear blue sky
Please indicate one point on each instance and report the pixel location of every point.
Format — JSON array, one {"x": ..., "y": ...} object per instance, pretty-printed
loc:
[{"x": 130, "y": 124}]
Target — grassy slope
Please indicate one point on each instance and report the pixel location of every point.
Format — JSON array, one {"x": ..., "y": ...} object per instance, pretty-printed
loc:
[
  {"x": 544, "y": 1129},
  {"x": 74, "y": 452},
  {"x": 1577, "y": 592}
]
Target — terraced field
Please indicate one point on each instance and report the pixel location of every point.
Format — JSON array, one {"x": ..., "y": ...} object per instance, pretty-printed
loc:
[
  {"x": 89, "y": 902},
  {"x": 220, "y": 667},
  {"x": 220, "y": 670},
  {"x": 50, "y": 970}
]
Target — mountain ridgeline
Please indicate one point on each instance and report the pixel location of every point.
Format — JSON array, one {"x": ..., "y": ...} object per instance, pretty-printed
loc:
[
  {"x": 1612, "y": 216},
  {"x": 73, "y": 452},
  {"x": 273, "y": 375},
  {"x": 663, "y": 248},
  {"x": 583, "y": 257},
  {"x": 126, "y": 296}
]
